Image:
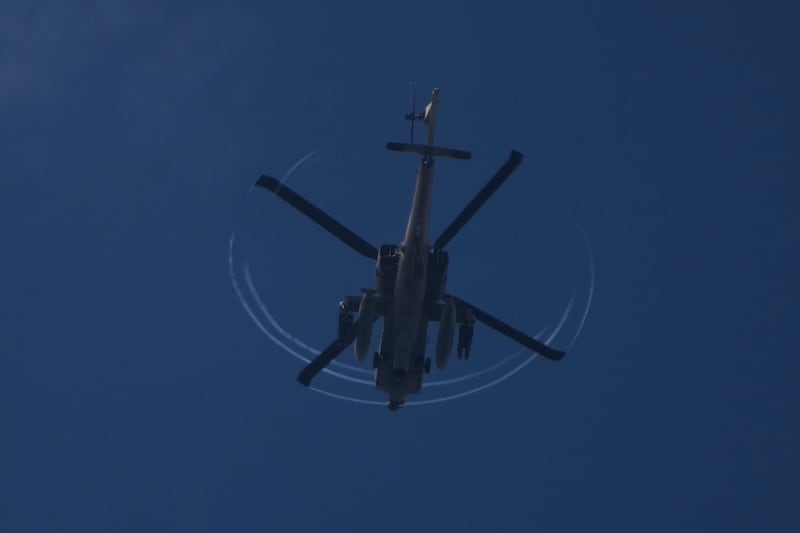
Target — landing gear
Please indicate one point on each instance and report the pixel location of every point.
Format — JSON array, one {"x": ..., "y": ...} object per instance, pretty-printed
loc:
[
  {"x": 427, "y": 365},
  {"x": 376, "y": 360}
]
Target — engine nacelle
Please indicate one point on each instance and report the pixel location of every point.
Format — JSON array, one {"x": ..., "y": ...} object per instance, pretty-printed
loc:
[
  {"x": 447, "y": 329},
  {"x": 363, "y": 325}
]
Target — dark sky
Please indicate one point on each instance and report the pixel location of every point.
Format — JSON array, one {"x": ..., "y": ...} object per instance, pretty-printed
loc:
[{"x": 137, "y": 395}]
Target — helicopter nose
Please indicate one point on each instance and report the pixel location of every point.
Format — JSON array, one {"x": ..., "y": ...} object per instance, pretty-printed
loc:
[{"x": 394, "y": 405}]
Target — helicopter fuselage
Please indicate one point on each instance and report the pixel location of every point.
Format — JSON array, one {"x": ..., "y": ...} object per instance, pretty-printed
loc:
[
  {"x": 400, "y": 361},
  {"x": 410, "y": 282}
]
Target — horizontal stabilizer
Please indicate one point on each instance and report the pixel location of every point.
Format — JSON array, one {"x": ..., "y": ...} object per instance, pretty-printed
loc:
[{"x": 424, "y": 149}]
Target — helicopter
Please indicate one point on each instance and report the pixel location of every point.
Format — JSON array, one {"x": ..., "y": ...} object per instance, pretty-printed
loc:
[{"x": 410, "y": 281}]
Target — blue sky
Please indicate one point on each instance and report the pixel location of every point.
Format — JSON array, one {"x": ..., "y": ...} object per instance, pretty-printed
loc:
[{"x": 136, "y": 394}]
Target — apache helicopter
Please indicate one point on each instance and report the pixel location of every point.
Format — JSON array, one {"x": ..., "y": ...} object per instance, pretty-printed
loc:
[{"x": 410, "y": 281}]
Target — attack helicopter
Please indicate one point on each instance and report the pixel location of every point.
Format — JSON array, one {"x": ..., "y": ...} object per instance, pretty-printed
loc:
[{"x": 411, "y": 277}]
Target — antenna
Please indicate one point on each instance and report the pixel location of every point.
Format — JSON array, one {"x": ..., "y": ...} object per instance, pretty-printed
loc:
[{"x": 413, "y": 116}]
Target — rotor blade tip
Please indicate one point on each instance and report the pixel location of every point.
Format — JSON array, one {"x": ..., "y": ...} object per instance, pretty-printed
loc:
[{"x": 268, "y": 182}]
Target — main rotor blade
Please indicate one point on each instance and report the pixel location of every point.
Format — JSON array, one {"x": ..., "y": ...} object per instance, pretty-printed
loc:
[
  {"x": 522, "y": 338},
  {"x": 497, "y": 180},
  {"x": 325, "y": 358},
  {"x": 319, "y": 216}
]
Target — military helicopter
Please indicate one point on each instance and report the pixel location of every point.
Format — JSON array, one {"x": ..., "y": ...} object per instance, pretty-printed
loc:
[{"x": 410, "y": 281}]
